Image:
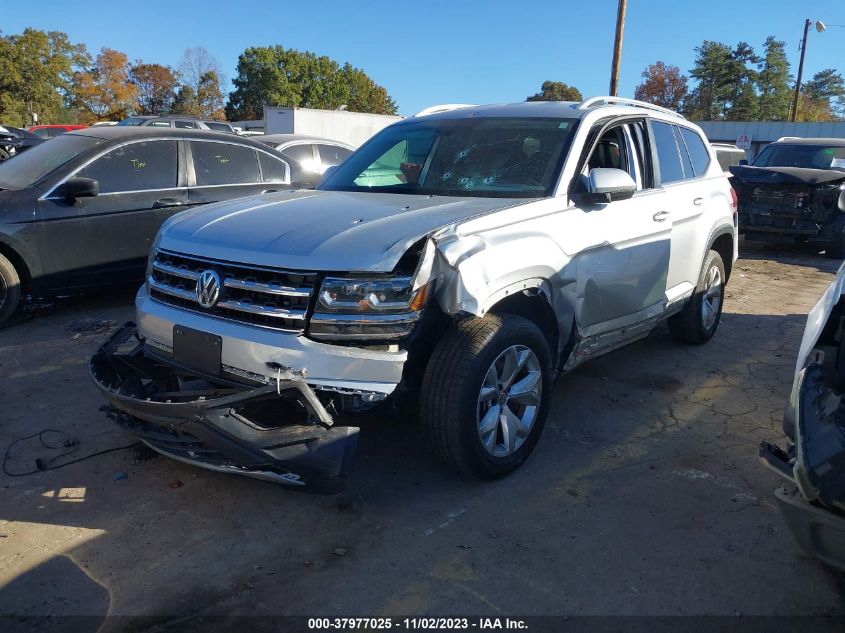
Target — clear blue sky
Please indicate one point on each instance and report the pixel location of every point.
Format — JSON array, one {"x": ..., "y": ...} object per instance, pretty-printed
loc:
[{"x": 434, "y": 51}]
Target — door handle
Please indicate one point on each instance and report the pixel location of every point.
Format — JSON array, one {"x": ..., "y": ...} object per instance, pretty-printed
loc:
[
  {"x": 697, "y": 202},
  {"x": 660, "y": 216},
  {"x": 269, "y": 191},
  {"x": 163, "y": 203}
]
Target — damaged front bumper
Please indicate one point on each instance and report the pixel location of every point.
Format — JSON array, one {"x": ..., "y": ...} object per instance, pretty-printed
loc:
[
  {"x": 814, "y": 463},
  {"x": 785, "y": 205},
  {"x": 280, "y": 432}
]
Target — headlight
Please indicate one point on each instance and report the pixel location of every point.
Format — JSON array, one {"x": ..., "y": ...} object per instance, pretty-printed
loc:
[
  {"x": 367, "y": 309},
  {"x": 369, "y": 295}
]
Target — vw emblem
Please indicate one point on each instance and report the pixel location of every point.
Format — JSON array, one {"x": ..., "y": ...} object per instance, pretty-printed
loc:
[{"x": 208, "y": 288}]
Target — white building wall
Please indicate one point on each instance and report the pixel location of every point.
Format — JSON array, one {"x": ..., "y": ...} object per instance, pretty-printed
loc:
[{"x": 353, "y": 128}]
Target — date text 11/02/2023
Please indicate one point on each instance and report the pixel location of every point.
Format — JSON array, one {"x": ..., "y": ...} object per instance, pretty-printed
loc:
[{"x": 423, "y": 623}]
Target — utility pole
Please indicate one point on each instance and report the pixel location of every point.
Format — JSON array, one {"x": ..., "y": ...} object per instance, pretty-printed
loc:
[
  {"x": 800, "y": 70},
  {"x": 617, "y": 47}
]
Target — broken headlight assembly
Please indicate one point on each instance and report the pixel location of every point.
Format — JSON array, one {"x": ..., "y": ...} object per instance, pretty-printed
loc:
[{"x": 367, "y": 309}]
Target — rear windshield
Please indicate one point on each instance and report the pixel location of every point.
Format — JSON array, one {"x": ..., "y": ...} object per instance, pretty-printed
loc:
[
  {"x": 222, "y": 127},
  {"x": 807, "y": 156},
  {"x": 27, "y": 168},
  {"x": 490, "y": 157}
]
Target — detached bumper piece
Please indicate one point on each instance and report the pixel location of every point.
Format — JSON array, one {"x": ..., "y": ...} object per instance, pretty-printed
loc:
[
  {"x": 279, "y": 432},
  {"x": 814, "y": 507}
]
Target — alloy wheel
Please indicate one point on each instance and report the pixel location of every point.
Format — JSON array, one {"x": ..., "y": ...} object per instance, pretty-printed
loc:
[
  {"x": 509, "y": 400},
  {"x": 712, "y": 299}
]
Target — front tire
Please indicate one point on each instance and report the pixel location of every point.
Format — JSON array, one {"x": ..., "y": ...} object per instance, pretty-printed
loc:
[
  {"x": 485, "y": 394},
  {"x": 699, "y": 320},
  {"x": 10, "y": 289}
]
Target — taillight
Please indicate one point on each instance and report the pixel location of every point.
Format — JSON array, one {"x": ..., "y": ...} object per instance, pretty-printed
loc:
[{"x": 734, "y": 205}]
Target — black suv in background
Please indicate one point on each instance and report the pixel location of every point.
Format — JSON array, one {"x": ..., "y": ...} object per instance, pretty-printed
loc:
[
  {"x": 82, "y": 210},
  {"x": 795, "y": 193}
]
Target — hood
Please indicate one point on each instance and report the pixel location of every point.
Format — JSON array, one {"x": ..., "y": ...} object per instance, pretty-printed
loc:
[
  {"x": 319, "y": 230},
  {"x": 785, "y": 175}
]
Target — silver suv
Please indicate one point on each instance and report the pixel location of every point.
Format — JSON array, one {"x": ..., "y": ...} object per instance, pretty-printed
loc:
[{"x": 469, "y": 254}]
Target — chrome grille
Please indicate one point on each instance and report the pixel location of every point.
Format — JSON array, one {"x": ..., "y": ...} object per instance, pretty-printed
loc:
[{"x": 266, "y": 297}]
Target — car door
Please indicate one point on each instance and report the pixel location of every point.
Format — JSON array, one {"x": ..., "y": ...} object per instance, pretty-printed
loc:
[
  {"x": 106, "y": 238},
  {"x": 623, "y": 245},
  {"x": 685, "y": 196},
  {"x": 224, "y": 171}
]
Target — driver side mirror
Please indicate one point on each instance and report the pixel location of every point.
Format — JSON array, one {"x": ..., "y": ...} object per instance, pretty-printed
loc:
[
  {"x": 606, "y": 184},
  {"x": 79, "y": 188}
]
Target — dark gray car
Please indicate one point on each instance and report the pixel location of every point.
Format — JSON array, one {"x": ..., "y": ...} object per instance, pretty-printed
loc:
[{"x": 82, "y": 210}]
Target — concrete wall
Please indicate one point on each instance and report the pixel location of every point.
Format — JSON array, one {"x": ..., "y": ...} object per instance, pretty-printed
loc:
[{"x": 764, "y": 132}]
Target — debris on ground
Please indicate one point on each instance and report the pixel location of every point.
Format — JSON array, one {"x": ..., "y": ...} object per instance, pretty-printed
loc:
[
  {"x": 88, "y": 325},
  {"x": 341, "y": 551},
  {"x": 120, "y": 476},
  {"x": 176, "y": 483}
]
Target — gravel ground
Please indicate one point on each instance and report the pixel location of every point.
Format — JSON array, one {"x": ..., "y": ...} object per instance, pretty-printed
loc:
[{"x": 644, "y": 496}]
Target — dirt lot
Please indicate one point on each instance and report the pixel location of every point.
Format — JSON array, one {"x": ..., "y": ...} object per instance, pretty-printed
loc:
[{"x": 644, "y": 496}]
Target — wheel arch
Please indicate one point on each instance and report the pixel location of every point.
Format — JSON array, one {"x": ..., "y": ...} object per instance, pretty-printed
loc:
[
  {"x": 722, "y": 242},
  {"x": 532, "y": 302},
  {"x": 19, "y": 262}
]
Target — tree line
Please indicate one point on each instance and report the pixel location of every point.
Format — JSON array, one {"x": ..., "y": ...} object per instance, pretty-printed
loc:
[
  {"x": 731, "y": 83},
  {"x": 44, "y": 73}
]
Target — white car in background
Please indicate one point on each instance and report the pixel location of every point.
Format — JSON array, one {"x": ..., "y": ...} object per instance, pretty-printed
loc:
[{"x": 309, "y": 156}]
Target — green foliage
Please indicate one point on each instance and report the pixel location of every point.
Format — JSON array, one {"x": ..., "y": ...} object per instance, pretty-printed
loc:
[
  {"x": 36, "y": 75},
  {"x": 713, "y": 70},
  {"x": 556, "y": 91},
  {"x": 773, "y": 82},
  {"x": 276, "y": 76}
]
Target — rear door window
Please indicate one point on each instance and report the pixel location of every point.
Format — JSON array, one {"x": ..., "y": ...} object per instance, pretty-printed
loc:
[
  {"x": 698, "y": 153},
  {"x": 668, "y": 157},
  {"x": 686, "y": 162},
  {"x": 331, "y": 155},
  {"x": 135, "y": 167},
  {"x": 300, "y": 153},
  {"x": 272, "y": 169},
  {"x": 224, "y": 164}
]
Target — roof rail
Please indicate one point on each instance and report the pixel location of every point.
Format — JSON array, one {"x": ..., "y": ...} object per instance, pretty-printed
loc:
[
  {"x": 588, "y": 103},
  {"x": 445, "y": 107},
  {"x": 787, "y": 138}
]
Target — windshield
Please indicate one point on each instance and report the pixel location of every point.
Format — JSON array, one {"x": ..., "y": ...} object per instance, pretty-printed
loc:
[
  {"x": 27, "y": 168},
  {"x": 807, "y": 156},
  {"x": 493, "y": 157},
  {"x": 132, "y": 121}
]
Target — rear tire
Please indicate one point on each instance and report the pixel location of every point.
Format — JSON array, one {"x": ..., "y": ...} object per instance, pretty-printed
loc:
[
  {"x": 699, "y": 320},
  {"x": 485, "y": 394},
  {"x": 10, "y": 289}
]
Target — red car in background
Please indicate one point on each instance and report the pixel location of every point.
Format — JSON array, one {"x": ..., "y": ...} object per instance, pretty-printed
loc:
[{"x": 49, "y": 131}]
